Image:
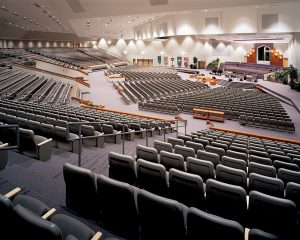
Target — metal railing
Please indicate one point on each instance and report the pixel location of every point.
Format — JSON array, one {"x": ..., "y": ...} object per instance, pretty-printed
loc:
[
  {"x": 17, "y": 136},
  {"x": 178, "y": 124}
]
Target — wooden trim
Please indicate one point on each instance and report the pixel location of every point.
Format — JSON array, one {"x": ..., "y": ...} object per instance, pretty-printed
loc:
[
  {"x": 13, "y": 192},
  {"x": 48, "y": 214},
  {"x": 52, "y": 73},
  {"x": 42, "y": 60},
  {"x": 44, "y": 142},
  {"x": 97, "y": 236},
  {"x": 256, "y": 135},
  {"x": 131, "y": 114}
]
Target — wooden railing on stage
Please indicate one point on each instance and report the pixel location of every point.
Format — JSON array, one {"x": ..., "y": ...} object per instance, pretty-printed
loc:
[
  {"x": 131, "y": 114},
  {"x": 208, "y": 114},
  {"x": 256, "y": 135}
]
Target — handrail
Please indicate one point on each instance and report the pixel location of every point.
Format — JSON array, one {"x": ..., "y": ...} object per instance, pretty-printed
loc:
[
  {"x": 131, "y": 114},
  {"x": 52, "y": 73},
  {"x": 256, "y": 135},
  {"x": 280, "y": 95}
]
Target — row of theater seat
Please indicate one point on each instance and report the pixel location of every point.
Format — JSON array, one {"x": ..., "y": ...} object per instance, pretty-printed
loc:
[
  {"x": 25, "y": 217},
  {"x": 138, "y": 214}
]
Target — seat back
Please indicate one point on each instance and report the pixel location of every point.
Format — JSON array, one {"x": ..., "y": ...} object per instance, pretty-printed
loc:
[
  {"x": 146, "y": 153},
  {"x": 267, "y": 185},
  {"x": 186, "y": 188},
  {"x": 122, "y": 168},
  {"x": 81, "y": 192},
  {"x": 152, "y": 177},
  {"x": 159, "y": 146},
  {"x": 175, "y": 141},
  {"x": 172, "y": 160},
  {"x": 162, "y": 214},
  {"x": 204, "y": 169},
  {"x": 287, "y": 175},
  {"x": 231, "y": 175},
  {"x": 234, "y": 163},
  {"x": 107, "y": 129},
  {"x": 194, "y": 145},
  {"x": 238, "y": 155},
  {"x": 117, "y": 206},
  {"x": 211, "y": 227},
  {"x": 212, "y": 157},
  {"x": 260, "y": 160},
  {"x": 272, "y": 214},
  {"x": 217, "y": 150},
  {"x": 261, "y": 169},
  {"x": 32, "y": 226},
  {"x": 184, "y": 151},
  {"x": 226, "y": 200}
]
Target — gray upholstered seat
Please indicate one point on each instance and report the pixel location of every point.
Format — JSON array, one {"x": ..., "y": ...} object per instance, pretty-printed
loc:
[
  {"x": 217, "y": 150},
  {"x": 234, "y": 163},
  {"x": 108, "y": 129},
  {"x": 172, "y": 160},
  {"x": 205, "y": 169},
  {"x": 175, "y": 141},
  {"x": 287, "y": 175},
  {"x": 231, "y": 175},
  {"x": 159, "y": 146},
  {"x": 212, "y": 157},
  {"x": 184, "y": 151},
  {"x": 262, "y": 169},
  {"x": 147, "y": 153}
]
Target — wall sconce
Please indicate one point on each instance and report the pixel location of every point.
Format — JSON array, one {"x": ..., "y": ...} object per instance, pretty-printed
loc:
[
  {"x": 272, "y": 50},
  {"x": 280, "y": 56},
  {"x": 253, "y": 50},
  {"x": 276, "y": 54},
  {"x": 248, "y": 55}
]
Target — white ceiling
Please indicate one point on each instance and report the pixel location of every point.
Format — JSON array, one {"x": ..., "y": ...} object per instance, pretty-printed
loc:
[{"x": 101, "y": 18}]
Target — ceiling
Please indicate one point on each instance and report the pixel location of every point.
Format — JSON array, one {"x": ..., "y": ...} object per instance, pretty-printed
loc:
[{"x": 101, "y": 18}]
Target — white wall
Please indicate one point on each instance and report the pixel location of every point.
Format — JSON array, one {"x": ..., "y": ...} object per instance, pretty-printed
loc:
[
  {"x": 295, "y": 51},
  {"x": 188, "y": 46},
  {"x": 234, "y": 20}
]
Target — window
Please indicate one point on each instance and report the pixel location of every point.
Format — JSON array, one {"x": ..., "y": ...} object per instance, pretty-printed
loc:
[{"x": 263, "y": 54}]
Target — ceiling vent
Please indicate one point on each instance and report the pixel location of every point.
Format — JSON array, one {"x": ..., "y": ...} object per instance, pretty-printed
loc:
[
  {"x": 158, "y": 2},
  {"x": 76, "y": 6}
]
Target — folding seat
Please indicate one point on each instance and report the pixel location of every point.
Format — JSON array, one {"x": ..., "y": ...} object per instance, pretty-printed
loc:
[
  {"x": 238, "y": 149},
  {"x": 209, "y": 139},
  {"x": 293, "y": 193},
  {"x": 203, "y": 168},
  {"x": 243, "y": 119},
  {"x": 66, "y": 140},
  {"x": 290, "y": 126},
  {"x": 172, "y": 160},
  {"x": 291, "y": 166},
  {"x": 62, "y": 123},
  {"x": 147, "y": 153},
  {"x": 261, "y": 160},
  {"x": 108, "y": 129},
  {"x": 256, "y": 234},
  {"x": 226, "y": 200},
  {"x": 187, "y": 188},
  {"x": 164, "y": 215},
  {"x": 238, "y": 155},
  {"x": 175, "y": 141},
  {"x": 89, "y": 131},
  {"x": 280, "y": 124},
  {"x": 35, "y": 146},
  {"x": 122, "y": 168},
  {"x": 211, "y": 227},
  {"x": 296, "y": 161},
  {"x": 294, "y": 155},
  {"x": 281, "y": 158},
  {"x": 272, "y": 147},
  {"x": 250, "y": 120},
  {"x": 138, "y": 130},
  {"x": 152, "y": 177},
  {"x": 287, "y": 175},
  {"x": 117, "y": 206},
  {"x": 159, "y": 146},
  {"x": 265, "y": 122},
  {"x": 184, "y": 138},
  {"x": 268, "y": 185},
  {"x": 225, "y": 139},
  {"x": 81, "y": 191},
  {"x": 219, "y": 145},
  {"x": 148, "y": 129},
  {"x": 208, "y": 156},
  {"x": 272, "y": 214},
  {"x": 201, "y": 141},
  {"x": 259, "y": 153},
  {"x": 231, "y": 175},
  {"x": 61, "y": 227},
  {"x": 184, "y": 151},
  {"x": 273, "y": 123},
  {"x": 262, "y": 169},
  {"x": 240, "y": 143},
  {"x": 194, "y": 145},
  {"x": 234, "y": 163}
]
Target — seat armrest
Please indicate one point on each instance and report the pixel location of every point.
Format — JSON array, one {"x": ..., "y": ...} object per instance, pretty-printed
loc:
[
  {"x": 97, "y": 236},
  {"x": 44, "y": 142},
  {"x": 13, "y": 193},
  {"x": 4, "y": 145},
  {"x": 48, "y": 214}
]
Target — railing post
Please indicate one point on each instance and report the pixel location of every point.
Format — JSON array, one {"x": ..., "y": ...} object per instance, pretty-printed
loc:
[
  {"x": 185, "y": 124},
  {"x": 80, "y": 145},
  {"x": 164, "y": 130},
  {"x": 146, "y": 137},
  {"x": 177, "y": 128},
  {"x": 123, "y": 143}
]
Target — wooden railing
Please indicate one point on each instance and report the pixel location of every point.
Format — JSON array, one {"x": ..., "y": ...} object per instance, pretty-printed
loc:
[
  {"x": 131, "y": 114},
  {"x": 256, "y": 135}
]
